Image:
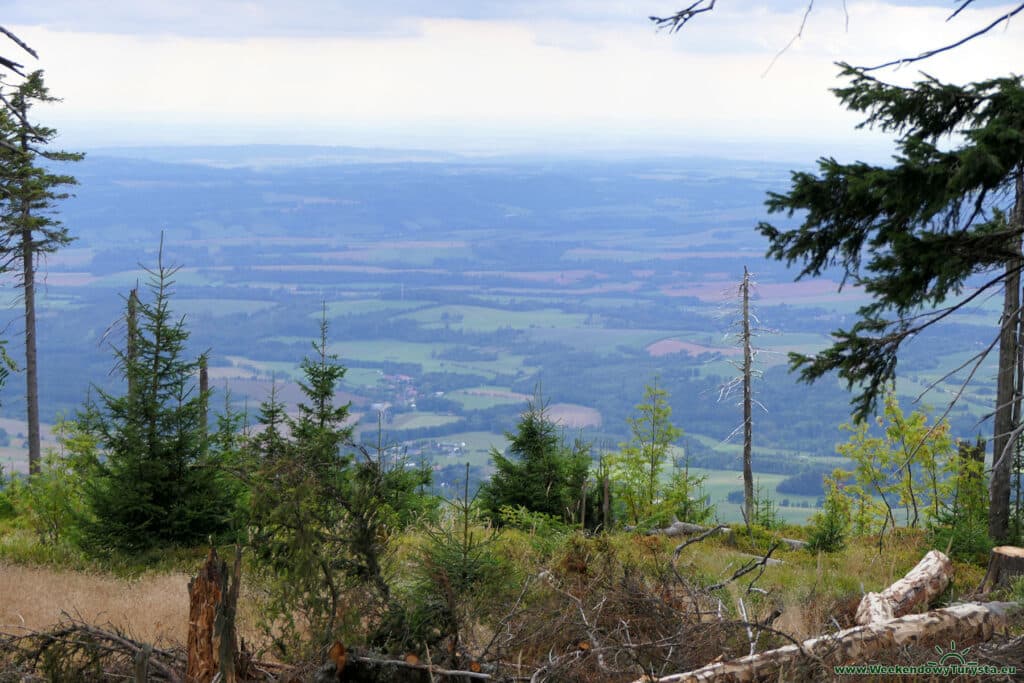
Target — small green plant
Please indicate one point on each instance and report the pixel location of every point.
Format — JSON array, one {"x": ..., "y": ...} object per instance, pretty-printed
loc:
[
  {"x": 458, "y": 567},
  {"x": 52, "y": 501},
  {"x": 907, "y": 466},
  {"x": 685, "y": 498},
  {"x": 830, "y": 527},
  {"x": 6, "y": 505},
  {"x": 637, "y": 467},
  {"x": 1016, "y": 590},
  {"x": 545, "y": 532},
  {"x": 960, "y": 526},
  {"x": 766, "y": 514}
]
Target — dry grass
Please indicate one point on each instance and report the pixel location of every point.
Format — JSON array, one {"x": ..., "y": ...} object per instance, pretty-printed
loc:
[{"x": 153, "y": 608}]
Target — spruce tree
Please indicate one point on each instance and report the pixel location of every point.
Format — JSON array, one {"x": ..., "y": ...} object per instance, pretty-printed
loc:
[
  {"x": 29, "y": 192},
  {"x": 298, "y": 513},
  {"x": 153, "y": 483},
  {"x": 542, "y": 472},
  {"x": 951, "y": 207}
]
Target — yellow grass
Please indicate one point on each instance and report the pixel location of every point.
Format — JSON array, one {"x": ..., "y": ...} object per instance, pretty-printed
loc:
[{"x": 153, "y": 608}]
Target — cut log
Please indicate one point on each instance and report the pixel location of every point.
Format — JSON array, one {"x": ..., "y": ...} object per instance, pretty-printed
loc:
[
  {"x": 212, "y": 643},
  {"x": 965, "y": 624},
  {"x": 1004, "y": 565},
  {"x": 921, "y": 585}
]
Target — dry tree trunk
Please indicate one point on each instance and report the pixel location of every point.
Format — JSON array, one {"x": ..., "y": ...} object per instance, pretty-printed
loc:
[
  {"x": 1004, "y": 564},
  {"x": 212, "y": 641},
  {"x": 748, "y": 427},
  {"x": 1007, "y": 393},
  {"x": 921, "y": 585},
  {"x": 964, "y": 623}
]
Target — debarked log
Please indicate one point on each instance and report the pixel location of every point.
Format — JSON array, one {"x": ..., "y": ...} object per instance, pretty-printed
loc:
[
  {"x": 920, "y": 586},
  {"x": 965, "y": 623}
]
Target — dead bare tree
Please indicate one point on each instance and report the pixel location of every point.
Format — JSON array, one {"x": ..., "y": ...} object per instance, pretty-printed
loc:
[{"x": 745, "y": 332}]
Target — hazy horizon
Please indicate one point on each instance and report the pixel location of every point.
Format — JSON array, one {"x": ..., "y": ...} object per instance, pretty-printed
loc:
[{"x": 486, "y": 77}]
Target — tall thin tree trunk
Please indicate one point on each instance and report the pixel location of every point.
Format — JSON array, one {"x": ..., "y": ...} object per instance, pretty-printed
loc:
[
  {"x": 606, "y": 504},
  {"x": 132, "y": 339},
  {"x": 204, "y": 392},
  {"x": 1007, "y": 393},
  {"x": 748, "y": 427},
  {"x": 31, "y": 363},
  {"x": 29, "y": 285}
]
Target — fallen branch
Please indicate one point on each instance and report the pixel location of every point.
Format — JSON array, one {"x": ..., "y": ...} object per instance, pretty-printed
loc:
[
  {"x": 747, "y": 568},
  {"x": 429, "y": 669},
  {"x": 687, "y": 529},
  {"x": 964, "y": 623},
  {"x": 73, "y": 645}
]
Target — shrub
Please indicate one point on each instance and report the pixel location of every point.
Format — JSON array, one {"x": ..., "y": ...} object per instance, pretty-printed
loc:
[
  {"x": 458, "y": 570},
  {"x": 829, "y": 528}
]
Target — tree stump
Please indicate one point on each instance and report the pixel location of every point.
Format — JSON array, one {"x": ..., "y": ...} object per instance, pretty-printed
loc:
[
  {"x": 1004, "y": 565},
  {"x": 212, "y": 641}
]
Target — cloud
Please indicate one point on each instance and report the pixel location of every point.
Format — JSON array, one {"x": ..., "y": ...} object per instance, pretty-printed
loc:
[
  {"x": 460, "y": 81},
  {"x": 248, "y": 18},
  {"x": 266, "y": 18}
]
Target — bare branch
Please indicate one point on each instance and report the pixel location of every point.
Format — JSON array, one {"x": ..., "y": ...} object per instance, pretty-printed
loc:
[
  {"x": 19, "y": 42},
  {"x": 961, "y": 8},
  {"x": 676, "y": 21},
  {"x": 747, "y": 568},
  {"x": 799, "y": 34},
  {"x": 946, "y": 48}
]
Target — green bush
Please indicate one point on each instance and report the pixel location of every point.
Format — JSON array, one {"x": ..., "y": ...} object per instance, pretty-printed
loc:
[
  {"x": 766, "y": 514},
  {"x": 830, "y": 527},
  {"x": 6, "y": 504},
  {"x": 960, "y": 525},
  {"x": 545, "y": 531},
  {"x": 458, "y": 572}
]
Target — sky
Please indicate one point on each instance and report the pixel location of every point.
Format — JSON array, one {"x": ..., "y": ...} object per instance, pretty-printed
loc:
[{"x": 487, "y": 76}]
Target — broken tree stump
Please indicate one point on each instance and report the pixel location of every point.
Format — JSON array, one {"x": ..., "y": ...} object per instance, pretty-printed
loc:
[
  {"x": 965, "y": 623},
  {"x": 1005, "y": 563},
  {"x": 921, "y": 585},
  {"x": 212, "y": 639}
]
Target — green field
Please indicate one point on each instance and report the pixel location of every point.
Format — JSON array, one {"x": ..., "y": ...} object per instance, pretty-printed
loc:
[
  {"x": 599, "y": 339},
  {"x": 337, "y": 309},
  {"x": 720, "y": 483},
  {"x": 477, "y": 451},
  {"x": 360, "y": 378},
  {"x": 481, "y": 398},
  {"x": 425, "y": 355},
  {"x": 220, "y": 307},
  {"x": 481, "y": 319},
  {"x": 420, "y": 420}
]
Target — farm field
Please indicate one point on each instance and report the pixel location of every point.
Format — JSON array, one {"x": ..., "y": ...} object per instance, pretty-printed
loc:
[{"x": 448, "y": 323}]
